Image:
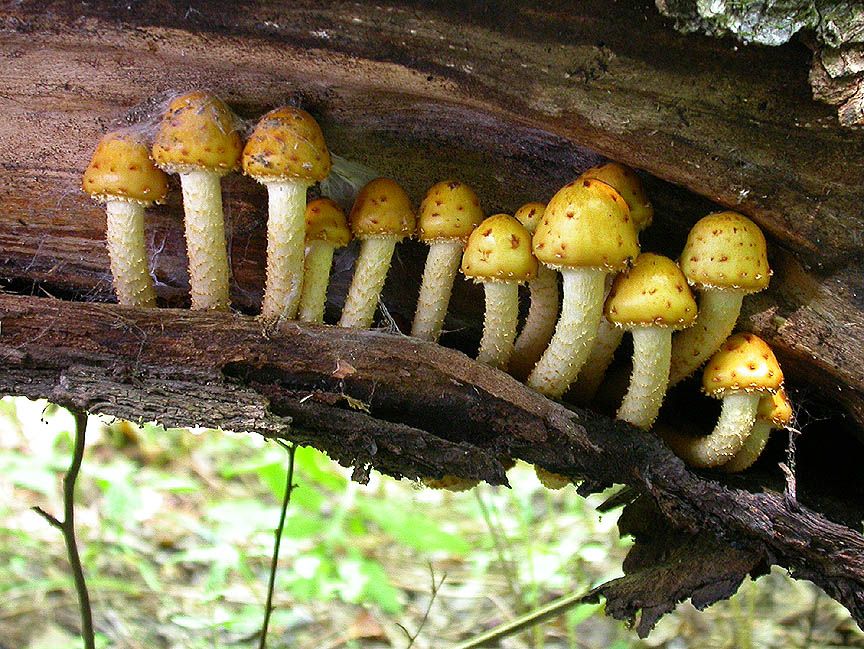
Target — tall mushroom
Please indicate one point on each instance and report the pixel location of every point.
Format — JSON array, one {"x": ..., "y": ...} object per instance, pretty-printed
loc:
[
  {"x": 381, "y": 217},
  {"x": 448, "y": 214},
  {"x": 586, "y": 232},
  {"x": 498, "y": 255},
  {"x": 773, "y": 412},
  {"x": 286, "y": 153},
  {"x": 650, "y": 300},
  {"x": 198, "y": 139},
  {"x": 725, "y": 258},
  {"x": 122, "y": 176},
  {"x": 326, "y": 229}
]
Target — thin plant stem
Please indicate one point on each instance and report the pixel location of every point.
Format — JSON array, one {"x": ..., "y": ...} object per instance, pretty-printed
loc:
[
  {"x": 436, "y": 586},
  {"x": 274, "y": 560},
  {"x": 506, "y": 563}
]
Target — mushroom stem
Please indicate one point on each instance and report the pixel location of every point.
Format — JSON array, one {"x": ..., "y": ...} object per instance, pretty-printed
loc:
[
  {"x": 442, "y": 263},
  {"x": 576, "y": 329},
  {"x": 752, "y": 448},
  {"x": 499, "y": 323},
  {"x": 205, "y": 240},
  {"x": 128, "y": 252},
  {"x": 286, "y": 228},
  {"x": 594, "y": 370},
  {"x": 370, "y": 272},
  {"x": 539, "y": 324},
  {"x": 652, "y": 347},
  {"x": 737, "y": 416},
  {"x": 718, "y": 313},
  {"x": 319, "y": 260}
]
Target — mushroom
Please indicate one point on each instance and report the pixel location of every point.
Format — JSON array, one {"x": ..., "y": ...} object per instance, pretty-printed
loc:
[
  {"x": 122, "y": 176},
  {"x": 651, "y": 300},
  {"x": 725, "y": 258},
  {"x": 543, "y": 312},
  {"x": 198, "y": 140},
  {"x": 448, "y": 214},
  {"x": 286, "y": 153},
  {"x": 381, "y": 217},
  {"x": 550, "y": 479},
  {"x": 498, "y": 255},
  {"x": 773, "y": 412},
  {"x": 586, "y": 232},
  {"x": 326, "y": 229},
  {"x": 741, "y": 372}
]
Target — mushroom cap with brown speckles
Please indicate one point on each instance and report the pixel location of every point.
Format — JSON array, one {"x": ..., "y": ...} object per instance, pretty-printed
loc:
[
  {"x": 625, "y": 181},
  {"x": 653, "y": 292},
  {"x": 121, "y": 169},
  {"x": 197, "y": 132},
  {"x": 726, "y": 250},
  {"x": 530, "y": 215},
  {"x": 382, "y": 208},
  {"x": 499, "y": 250},
  {"x": 776, "y": 409},
  {"x": 450, "y": 210},
  {"x": 745, "y": 363},
  {"x": 325, "y": 221},
  {"x": 287, "y": 144}
]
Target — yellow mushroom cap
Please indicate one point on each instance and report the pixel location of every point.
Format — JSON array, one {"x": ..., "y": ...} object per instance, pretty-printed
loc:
[
  {"x": 586, "y": 225},
  {"x": 625, "y": 181},
  {"x": 776, "y": 409},
  {"x": 653, "y": 292},
  {"x": 325, "y": 221},
  {"x": 198, "y": 131},
  {"x": 726, "y": 250},
  {"x": 287, "y": 144},
  {"x": 450, "y": 210},
  {"x": 745, "y": 363},
  {"x": 121, "y": 169},
  {"x": 382, "y": 208},
  {"x": 530, "y": 215},
  {"x": 499, "y": 249}
]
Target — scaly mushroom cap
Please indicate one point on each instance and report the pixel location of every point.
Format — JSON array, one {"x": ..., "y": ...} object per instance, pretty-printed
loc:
[
  {"x": 325, "y": 221},
  {"x": 653, "y": 292},
  {"x": 726, "y": 250},
  {"x": 287, "y": 144},
  {"x": 197, "y": 132},
  {"x": 499, "y": 249},
  {"x": 450, "y": 210},
  {"x": 382, "y": 208},
  {"x": 625, "y": 181},
  {"x": 586, "y": 225},
  {"x": 530, "y": 215},
  {"x": 776, "y": 410},
  {"x": 121, "y": 169},
  {"x": 745, "y": 363}
]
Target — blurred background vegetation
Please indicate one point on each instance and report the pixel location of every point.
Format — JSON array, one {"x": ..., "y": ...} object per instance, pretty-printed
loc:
[{"x": 175, "y": 529}]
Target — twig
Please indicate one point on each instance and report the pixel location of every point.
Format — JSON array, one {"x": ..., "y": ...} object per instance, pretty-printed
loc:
[
  {"x": 274, "y": 560},
  {"x": 435, "y": 588}
]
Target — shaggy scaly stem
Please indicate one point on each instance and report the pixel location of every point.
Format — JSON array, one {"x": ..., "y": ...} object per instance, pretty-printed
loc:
[
  {"x": 752, "y": 448},
  {"x": 499, "y": 323},
  {"x": 594, "y": 370},
  {"x": 370, "y": 271},
  {"x": 442, "y": 263},
  {"x": 316, "y": 277},
  {"x": 539, "y": 324},
  {"x": 286, "y": 227},
  {"x": 128, "y": 252},
  {"x": 652, "y": 347}
]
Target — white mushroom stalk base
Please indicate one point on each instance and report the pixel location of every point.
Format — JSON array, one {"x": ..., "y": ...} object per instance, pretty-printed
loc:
[
  {"x": 594, "y": 370},
  {"x": 442, "y": 262},
  {"x": 205, "y": 240},
  {"x": 316, "y": 277},
  {"x": 577, "y": 327},
  {"x": 499, "y": 323},
  {"x": 370, "y": 271},
  {"x": 718, "y": 313},
  {"x": 752, "y": 448},
  {"x": 127, "y": 249},
  {"x": 286, "y": 233},
  {"x": 737, "y": 416},
  {"x": 539, "y": 324},
  {"x": 652, "y": 347}
]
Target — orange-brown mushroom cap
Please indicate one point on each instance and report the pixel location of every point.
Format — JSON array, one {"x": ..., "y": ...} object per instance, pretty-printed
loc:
[
  {"x": 121, "y": 169},
  {"x": 450, "y": 210},
  {"x": 287, "y": 144},
  {"x": 499, "y": 249},
  {"x": 325, "y": 221},
  {"x": 382, "y": 208},
  {"x": 197, "y": 132},
  {"x": 530, "y": 215},
  {"x": 625, "y": 181},
  {"x": 745, "y": 363},
  {"x": 776, "y": 409}
]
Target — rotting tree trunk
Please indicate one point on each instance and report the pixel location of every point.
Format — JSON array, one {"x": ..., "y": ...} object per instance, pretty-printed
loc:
[{"x": 514, "y": 100}]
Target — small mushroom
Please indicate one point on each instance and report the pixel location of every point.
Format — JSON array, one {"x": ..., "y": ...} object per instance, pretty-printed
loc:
[
  {"x": 498, "y": 255},
  {"x": 381, "y": 217},
  {"x": 286, "y": 153},
  {"x": 122, "y": 176},
  {"x": 773, "y": 412},
  {"x": 448, "y": 214},
  {"x": 586, "y": 232},
  {"x": 743, "y": 371},
  {"x": 650, "y": 300},
  {"x": 725, "y": 258},
  {"x": 198, "y": 139},
  {"x": 326, "y": 229}
]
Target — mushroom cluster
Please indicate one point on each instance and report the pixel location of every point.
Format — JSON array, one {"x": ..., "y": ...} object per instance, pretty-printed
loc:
[{"x": 579, "y": 255}]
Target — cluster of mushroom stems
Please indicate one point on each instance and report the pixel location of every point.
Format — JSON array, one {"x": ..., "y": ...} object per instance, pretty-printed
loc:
[{"x": 588, "y": 233}]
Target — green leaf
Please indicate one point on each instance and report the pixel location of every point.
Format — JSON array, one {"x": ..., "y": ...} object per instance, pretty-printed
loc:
[
  {"x": 412, "y": 530},
  {"x": 378, "y": 588},
  {"x": 578, "y": 614},
  {"x": 317, "y": 467}
]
